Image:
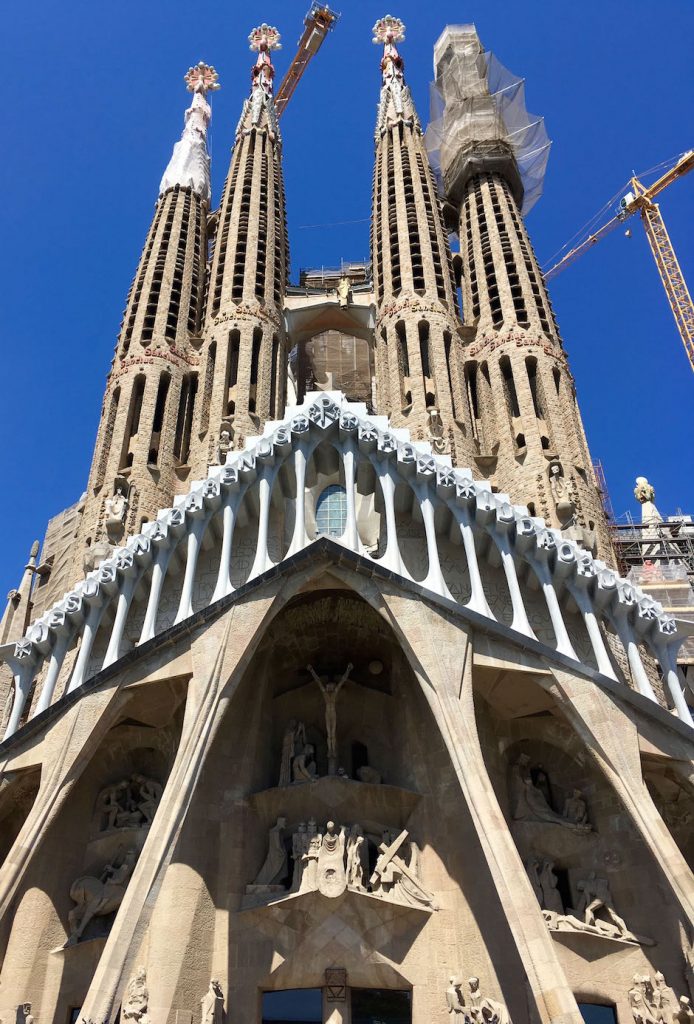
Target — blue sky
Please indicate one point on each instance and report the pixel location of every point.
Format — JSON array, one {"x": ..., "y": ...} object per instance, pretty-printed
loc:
[{"x": 93, "y": 102}]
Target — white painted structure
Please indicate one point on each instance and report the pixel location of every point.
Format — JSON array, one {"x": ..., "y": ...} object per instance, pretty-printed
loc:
[{"x": 377, "y": 465}]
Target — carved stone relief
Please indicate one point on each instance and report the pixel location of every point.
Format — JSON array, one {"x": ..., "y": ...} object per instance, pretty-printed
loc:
[
  {"x": 99, "y": 896},
  {"x": 136, "y": 999},
  {"x": 130, "y": 803},
  {"x": 530, "y": 800},
  {"x": 337, "y": 859},
  {"x": 473, "y": 1007},
  {"x": 654, "y": 1002},
  {"x": 212, "y": 1004}
]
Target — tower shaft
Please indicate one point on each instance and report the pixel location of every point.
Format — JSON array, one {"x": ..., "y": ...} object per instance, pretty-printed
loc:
[{"x": 419, "y": 350}]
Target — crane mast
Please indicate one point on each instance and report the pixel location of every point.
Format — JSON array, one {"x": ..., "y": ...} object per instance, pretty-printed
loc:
[
  {"x": 640, "y": 200},
  {"x": 318, "y": 22}
]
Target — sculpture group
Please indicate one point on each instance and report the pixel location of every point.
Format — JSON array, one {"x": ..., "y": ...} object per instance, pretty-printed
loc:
[
  {"x": 130, "y": 803},
  {"x": 531, "y": 802},
  {"x": 473, "y": 1007},
  {"x": 97, "y": 897},
  {"x": 335, "y": 859},
  {"x": 654, "y": 1002}
]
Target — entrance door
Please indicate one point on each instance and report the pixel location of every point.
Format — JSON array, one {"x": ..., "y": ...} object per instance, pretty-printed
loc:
[
  {"x": 293, "y": 1006},
  {"x": 381, "y": 1006}
]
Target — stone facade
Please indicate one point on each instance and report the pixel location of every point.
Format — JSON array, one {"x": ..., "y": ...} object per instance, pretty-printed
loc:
[{"x": 342, "y": 717}]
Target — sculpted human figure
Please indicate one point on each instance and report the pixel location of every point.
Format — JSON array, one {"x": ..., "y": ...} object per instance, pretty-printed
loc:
[
  {"x": 357, "y": 859},
  {"x": 483, "y": 1009},
  {"x": 28, "y": 1015},
  {"x": 551, "y": 900},
  {"x": 148, "y": 796},
  {"x": 533, "y": 867},
  {"x": 304, "y": 765},
  {"x": 330, "y": 691},
  {"x": 394, "y": 878},
  {"x": 309, "y": 880},
  {"x": 136, "y": 999},
  {"x": 684, "y": 1013},
  {"x": 294, "y": 734},
  {"x": 212, "y": 1004},
  {"x": 300, "y": 841},
  {"x": 596, "y": 897},
  {"x": 332, "y": 878},
  {"x": 116, "y": 507},
  {"x": 109, "y": 805},
  {"x": 528, "y": 803},
  {"x": 664, "y": 999},
  {"x": 274, "y": 867},
  {"x": 641, "y": 1010},
  {"x": 575, "y": 808},
  {"x": 96, "y": 897},
  {"x": 454, "y": 998}
]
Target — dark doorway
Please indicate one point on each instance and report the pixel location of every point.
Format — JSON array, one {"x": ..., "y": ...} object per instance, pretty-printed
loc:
[
  {"x": 597, "y": 1013},
  {"x": 293, "y": 1006},
  {"x": 381, "y": 1006}
]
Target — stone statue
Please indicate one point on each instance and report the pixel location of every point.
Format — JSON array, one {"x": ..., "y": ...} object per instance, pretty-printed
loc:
[
  {"x": 551, "y": 900},
  {"x": 225, "y": 444},
  {"x": 393, "y": 878},
  {"x": 28, "y": 1015},
  {"x": 357, "y": 859},
  {"x": 300, "y": 841},
  {"x": 368, "y": 774},
  {"x": 454, "y": 998},
  {"x": 640, "y": 1000},
  {"x": 304, "y": 765},
  {"x": 294, "y": 734},
  {"x": 684, "y": 1014},
  {"x": 533, "y": 867},
  {"x": 115, "y": 508},
  {"x": 575, "y": 808},
  {"x": 212, "y": 1004},
  {"x": 343, "y": 290},
  {"x": 528, "y": 803},
  {"x": 596, "y": 898},
  {"x": 437, "y": 436},
  {"x": 130, "y": 803},
  {"x": 484, "y": 1010},
  {"x": 330, "y": 691},
  {"x": 136, "y": 999},
  {"x": 309, "y": 878},
  {"x": 563, "y": 504},
  {"x": 96, "y": 897},
  {"x": 332, "y": 878},
  {"x": 645, "y": 495},
  {"x": 664, "y": 999},
  {"x": 274, "y": 868}
]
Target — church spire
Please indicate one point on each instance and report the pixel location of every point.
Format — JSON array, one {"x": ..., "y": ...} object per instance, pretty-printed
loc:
[
  {"x": 189, "y": 165},
  {"x": 418, "y": 341}
]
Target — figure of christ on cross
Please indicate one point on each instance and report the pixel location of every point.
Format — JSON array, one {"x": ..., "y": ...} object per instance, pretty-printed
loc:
[{"x": 330, "y": 692}]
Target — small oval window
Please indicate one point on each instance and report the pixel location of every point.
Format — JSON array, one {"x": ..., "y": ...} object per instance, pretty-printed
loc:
[{"x": 331, "y": 511}]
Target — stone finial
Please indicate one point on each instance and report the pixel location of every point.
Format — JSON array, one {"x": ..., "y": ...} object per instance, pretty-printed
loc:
[
  {"x": 202, "y": 78},
  {"x": 264, "y": 37},
  {"x": 388, "y": 30}
]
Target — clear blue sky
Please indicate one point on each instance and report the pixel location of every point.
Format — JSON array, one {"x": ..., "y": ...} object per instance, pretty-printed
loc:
[{"x": 93, "y": 102}]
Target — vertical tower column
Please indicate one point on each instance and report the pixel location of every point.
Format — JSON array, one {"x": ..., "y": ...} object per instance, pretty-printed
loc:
[
  {"x": 522, "y": 395},
  {"x": 243, "y": 358},
  {"x": 143, "y": 441},
  {"x": 419, "y": 347}
]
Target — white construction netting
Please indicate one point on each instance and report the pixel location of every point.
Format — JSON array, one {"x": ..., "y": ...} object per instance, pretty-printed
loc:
[{"x": 476, "y": 99}]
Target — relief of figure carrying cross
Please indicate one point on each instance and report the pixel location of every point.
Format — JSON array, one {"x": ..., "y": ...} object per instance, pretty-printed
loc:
[{"x": 330, "y": 690}]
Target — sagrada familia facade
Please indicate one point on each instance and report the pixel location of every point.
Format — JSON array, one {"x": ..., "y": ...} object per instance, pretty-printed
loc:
[{"x": 325, "y": 703}]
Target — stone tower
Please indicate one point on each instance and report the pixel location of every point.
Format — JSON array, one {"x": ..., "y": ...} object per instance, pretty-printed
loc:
[
  {"x": 418, "y": 343},
  {"x": 143, "y": 442},
  {"x": 522, "y": 396},
  {"x": 243, "y": 357}
]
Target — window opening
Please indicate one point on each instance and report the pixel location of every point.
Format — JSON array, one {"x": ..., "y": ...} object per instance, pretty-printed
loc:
[
  {"x": 331, "y": 511},
  {"x": 381, "y": 1006},
  {"x": 300, "y": 1005}
]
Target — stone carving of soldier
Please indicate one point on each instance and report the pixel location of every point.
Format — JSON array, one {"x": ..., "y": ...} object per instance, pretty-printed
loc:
[
  {"x": 109, "y": 805},
  {"x": 551, "y": 900},
  {"x": 300, "y": 841},
  {"x": 309, "y": 880},
  {"x": 640, "y": 1001},
  {"x": 274, "y": 867},
  {"x": 149, "y": 796},
  {"x": 454, "y": 998},
  {"x": 357, "y": 859},
  {"x": 294, "y": 734},
  {"x": 212, "y": 1004}
]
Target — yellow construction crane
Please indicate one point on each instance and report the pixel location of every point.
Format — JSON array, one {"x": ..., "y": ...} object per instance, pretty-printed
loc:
[
  {"x": 640, "y": 200},
  {"x": 317, "y": 23}
]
